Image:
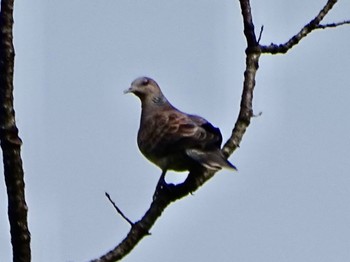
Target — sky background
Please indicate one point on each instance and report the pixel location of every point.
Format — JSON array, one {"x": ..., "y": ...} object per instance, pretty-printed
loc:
[{"x": 288, "y": 202}]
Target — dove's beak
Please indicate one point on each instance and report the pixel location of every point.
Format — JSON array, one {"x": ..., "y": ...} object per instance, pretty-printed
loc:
[{"x": 127, "y": 91}]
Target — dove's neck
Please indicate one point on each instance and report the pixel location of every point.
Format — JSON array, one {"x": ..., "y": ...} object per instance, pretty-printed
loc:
[
  {"x": 155, "y": 103},
  {"x": 159, "y": 100}
]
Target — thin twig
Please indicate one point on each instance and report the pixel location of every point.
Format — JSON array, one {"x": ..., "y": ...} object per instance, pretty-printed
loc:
[
  {"x": 258, "y": 114},
  {"x": 312, "y": 25},
  {"x": 260, "y": 33},
  {"x": 119, "y": 211},
  {"x": 332, "y": 25}
]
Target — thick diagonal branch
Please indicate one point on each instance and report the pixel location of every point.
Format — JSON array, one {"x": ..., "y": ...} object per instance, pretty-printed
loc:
[
  {"x": 10, "y": 141},
  {"x": 164, "y": 197}
]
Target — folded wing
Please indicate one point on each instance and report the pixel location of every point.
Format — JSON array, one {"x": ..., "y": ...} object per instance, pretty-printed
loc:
[{"x": 173, "y": 132}]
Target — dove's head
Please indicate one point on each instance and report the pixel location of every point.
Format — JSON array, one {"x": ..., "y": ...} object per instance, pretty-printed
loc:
[{"x": 147, "y": 90}]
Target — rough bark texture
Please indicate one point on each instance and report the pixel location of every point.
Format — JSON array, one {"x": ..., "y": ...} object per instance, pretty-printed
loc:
[{"x": 10, "y": 141}]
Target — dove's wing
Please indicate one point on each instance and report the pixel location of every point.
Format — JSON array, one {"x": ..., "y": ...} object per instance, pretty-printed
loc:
[{"x": 172, "y": 131}]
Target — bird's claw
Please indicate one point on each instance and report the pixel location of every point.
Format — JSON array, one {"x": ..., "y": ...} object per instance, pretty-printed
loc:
[{"x": 163, "y": 188}]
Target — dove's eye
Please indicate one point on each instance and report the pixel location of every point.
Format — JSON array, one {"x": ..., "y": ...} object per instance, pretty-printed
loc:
[{"x": 145, "y": 82}]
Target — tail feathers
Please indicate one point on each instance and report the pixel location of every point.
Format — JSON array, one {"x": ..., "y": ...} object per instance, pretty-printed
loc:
[{"x": 213, "y": 160}]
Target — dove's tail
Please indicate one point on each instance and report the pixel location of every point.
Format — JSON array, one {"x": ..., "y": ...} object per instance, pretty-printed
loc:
[{"x": 213, "y": 160}]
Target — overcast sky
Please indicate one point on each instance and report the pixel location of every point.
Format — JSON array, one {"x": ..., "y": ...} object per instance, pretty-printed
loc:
[{"x": 288, "y": 202}]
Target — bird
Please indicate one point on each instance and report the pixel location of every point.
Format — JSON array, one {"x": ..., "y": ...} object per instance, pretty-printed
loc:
[{"x": 174, "y": 140}]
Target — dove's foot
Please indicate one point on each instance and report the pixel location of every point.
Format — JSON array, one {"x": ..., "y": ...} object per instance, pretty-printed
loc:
[{"x": 162, "y": 186}]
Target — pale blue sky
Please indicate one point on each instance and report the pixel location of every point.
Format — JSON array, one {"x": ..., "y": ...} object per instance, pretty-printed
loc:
[{"x": 288, "y": 202}]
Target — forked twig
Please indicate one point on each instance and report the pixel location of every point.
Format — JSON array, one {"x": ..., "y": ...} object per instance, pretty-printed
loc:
[{"x": 308, "y": 28}]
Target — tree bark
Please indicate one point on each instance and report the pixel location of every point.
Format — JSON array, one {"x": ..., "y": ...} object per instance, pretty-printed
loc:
[{"x": 10, "y": 141}]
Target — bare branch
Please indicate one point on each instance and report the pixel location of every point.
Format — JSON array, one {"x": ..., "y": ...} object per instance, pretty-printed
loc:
[
  {"x": 10, "y": 141},
  {"x": 312, "y": 25},
  {"x": 333, "y": 25},
  {"x": 260, "y": 33},
  {"x": 166, "y": 195},
  {"x": 171, "y": 193},
  {"x": 252, "y": 64},
  {"x": 197, "y": 178},
  {"x": 119, "y": 211}
]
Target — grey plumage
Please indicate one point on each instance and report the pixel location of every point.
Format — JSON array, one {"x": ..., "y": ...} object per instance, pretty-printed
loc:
[{"x": 172, "y": 139}]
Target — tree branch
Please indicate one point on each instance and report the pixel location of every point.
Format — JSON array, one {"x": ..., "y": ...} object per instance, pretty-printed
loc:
[
  {"x": 252, "y": 64},
  {"x": 164, "y": 197},
  {"x": 10, "y": 141},
  {"x": 333, "y": 25},
  {"x": 119, "y": 211},
  {"x": 197, "y": 178},
  {"x": 312, "y": 25}
]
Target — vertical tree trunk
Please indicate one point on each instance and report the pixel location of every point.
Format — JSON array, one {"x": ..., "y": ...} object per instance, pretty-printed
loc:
[{"x": 10, "y": 142}]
